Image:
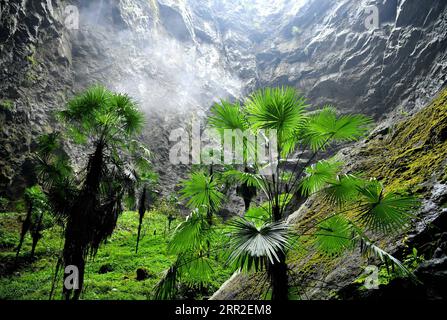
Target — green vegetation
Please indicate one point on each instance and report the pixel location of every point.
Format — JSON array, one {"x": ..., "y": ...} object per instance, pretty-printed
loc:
[
  {"x": 6, "y": 104},
  {"x": 414, "y": 150},
  {"x": 385, "y": 274},
  {"x": 32, "y": 59},
  {"x": 4, "y": 203},
  {"x": 261, "y": 240},
  {"x": 33, "y": 279},
  {"x": 155, "y": 253}
]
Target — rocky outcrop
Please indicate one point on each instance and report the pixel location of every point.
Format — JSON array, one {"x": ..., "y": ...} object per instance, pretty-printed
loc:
[
  {"x": 35, "y": 60},
  {"x": 327, "y": 51}
]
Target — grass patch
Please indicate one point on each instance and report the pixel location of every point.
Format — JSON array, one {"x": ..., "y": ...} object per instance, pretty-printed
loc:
[{"x": 32, "y": 280}]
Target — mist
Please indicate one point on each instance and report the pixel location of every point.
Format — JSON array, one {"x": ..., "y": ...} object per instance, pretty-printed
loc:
[{"x": 162, "y": 73}]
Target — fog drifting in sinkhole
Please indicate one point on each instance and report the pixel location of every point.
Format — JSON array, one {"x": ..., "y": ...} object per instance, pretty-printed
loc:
[{"x": 165, "y": 74}]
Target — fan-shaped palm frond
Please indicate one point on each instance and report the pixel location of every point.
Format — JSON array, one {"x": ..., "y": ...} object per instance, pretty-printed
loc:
[
  {"x": 190, "y": 267},
  {"x": 82, "y": 109},
  {"x": 196, "y": 268},
  {"x": 334, "y": 235},
  {"x": 202, "y": 191},
  {"x": 325, "y": 126},
  {"x": 385, "y": 212},
  {"x": 319, "y": 175},
  {"x": 131, "y": 119},
  {"x": 167, "y": 286},
  {"x": 191, "y": 234},
  {"x": 225, "y": 115},
  {"x": 99, "y": 112},
  {"x": 248, "y": 178},
  {"x": 343, "y": 190},
  {"x": 48, "y": 143},
  {"x": 253, "y": 247},
  {"x": 280, "y": 109}
]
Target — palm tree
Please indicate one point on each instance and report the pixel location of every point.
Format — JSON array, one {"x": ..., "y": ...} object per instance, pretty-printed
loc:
[
  {"x": 261, "y": 239},
  {"x": 146, "y": 180},
  {"x": 36, "y": 203},
  {"x": 191, "y": 240},
  {"x": 105, "y": 123},
  {"x": 303, "y": 135}
]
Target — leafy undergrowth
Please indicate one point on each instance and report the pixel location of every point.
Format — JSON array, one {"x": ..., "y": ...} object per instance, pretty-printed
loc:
[{"x": 32, "y": 279}]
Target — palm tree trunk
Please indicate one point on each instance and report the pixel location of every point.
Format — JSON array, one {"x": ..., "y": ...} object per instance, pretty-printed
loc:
[
  {"x": 278, "y": 270},
  {"x": 25, "y": 228},
  {"x": 141, "y": 211},
  {"x": 36, "y": 238},
  {"x": 279, "y": 278},
  {"x": 36, "y": 235},
  {"x": 78, "y": 234}
]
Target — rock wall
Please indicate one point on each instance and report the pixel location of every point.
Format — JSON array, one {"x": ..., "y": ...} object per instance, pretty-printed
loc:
[{"x": 177, "y": 57}]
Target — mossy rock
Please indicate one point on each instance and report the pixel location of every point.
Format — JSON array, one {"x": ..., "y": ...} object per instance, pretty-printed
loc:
[{"x": 143, "y": 274}]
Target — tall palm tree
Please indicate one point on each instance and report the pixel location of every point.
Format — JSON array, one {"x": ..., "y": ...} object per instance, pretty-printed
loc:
[
  {"x": 261, "y": 239},
  {"x": 105, "y": 123},
  {"x": 302, "y": 135}
]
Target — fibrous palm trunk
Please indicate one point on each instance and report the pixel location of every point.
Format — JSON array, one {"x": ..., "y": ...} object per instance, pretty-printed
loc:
[
  {"x": 141, "y": 211},
  {"x": 78, "y": 234},
  {"x": 25, "y": 228},
  {"x": 36, "y": 234},
  {"x": 278, "y": 270}
]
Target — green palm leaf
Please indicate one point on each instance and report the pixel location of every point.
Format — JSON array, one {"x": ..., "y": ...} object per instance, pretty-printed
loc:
[
  {"x": 202, "y": 191},
  {"x": 191, "y": 234},
  {"x": 131, "y": 119},
  {"x": 385, "y": 212},
  {"x": 103, "y": 113},
  {"x": 227, "y": 116},
  {"x": 248, "y": 178},
  {"x": 325, "y": 126},
  {"x": 167, "y": 286},
  {"x": 368, "y": 248},
  {"x": 280, "y": 109},
  {"x": 253, "y": 247},
  {"x": 196, "y": 268},
  {"x": 334, "y": 235},
  {"x": 343, "y": 190},
  {"x": 319, "y": 175}
]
